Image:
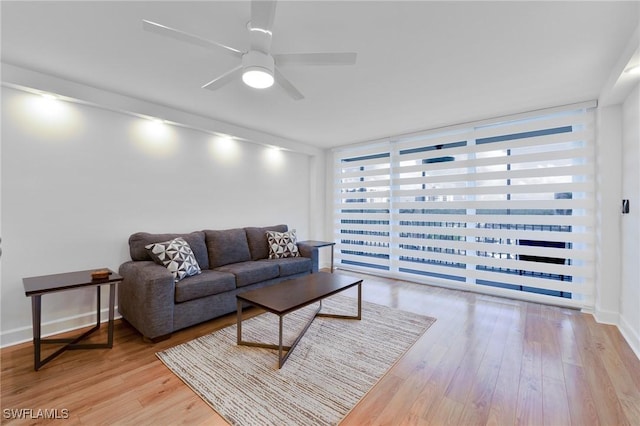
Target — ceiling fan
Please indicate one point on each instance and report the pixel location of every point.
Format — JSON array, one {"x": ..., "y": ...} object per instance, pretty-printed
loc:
[{"x": 259, "y": 67}]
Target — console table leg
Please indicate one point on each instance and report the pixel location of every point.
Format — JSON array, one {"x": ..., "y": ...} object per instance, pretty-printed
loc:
[
  {"x": 36, "y": 318},
  {"x": 112, "y": 302},
  {"x": 98, "y": 306}
]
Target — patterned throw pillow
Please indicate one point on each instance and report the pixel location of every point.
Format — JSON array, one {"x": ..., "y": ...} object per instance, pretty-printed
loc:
[
  {"x": 282, "y": 244},
  {"x": 176, "y": 255}
]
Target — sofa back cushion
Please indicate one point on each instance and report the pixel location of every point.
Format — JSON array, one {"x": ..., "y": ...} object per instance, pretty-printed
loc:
[
  {"x": 257, "y": 239},
  {"x": 196, "y": 241},
  {"x": 228, "y": 246}
]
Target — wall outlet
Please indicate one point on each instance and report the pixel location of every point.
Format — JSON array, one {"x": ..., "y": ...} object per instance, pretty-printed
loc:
[{"x": 625, "y": 206}]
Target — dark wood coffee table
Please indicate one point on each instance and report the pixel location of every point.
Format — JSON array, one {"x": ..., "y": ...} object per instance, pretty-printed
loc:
[{"x": 291, "y": 295}]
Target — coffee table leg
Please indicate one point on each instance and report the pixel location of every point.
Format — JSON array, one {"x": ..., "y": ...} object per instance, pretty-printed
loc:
[
  {"x": 280, "y": 362},
  {"x": 239, "y": 321},
  {"x": 279, "y": 347},
  {"x": 356, "y": 317},
  {"x": 360, "y": 300}
]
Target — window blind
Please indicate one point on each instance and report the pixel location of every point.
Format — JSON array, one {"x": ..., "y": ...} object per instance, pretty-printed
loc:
[
  {"x": 363, "y": 216},
  {"x": 504, "y": 207}
]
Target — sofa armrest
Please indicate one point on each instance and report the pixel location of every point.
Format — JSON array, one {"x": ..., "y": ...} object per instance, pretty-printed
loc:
[
  {"x": 312, "y": 253},
  {"x": 146, "y": 297}
]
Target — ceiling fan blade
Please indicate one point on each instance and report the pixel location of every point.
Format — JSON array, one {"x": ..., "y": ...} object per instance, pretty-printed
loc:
[
  {"x": 262, "y": 14},
  {"x": 338, "y": 58},
  {"x": 189, "y": 38},
  {"x": 225, "y": 78},
  {"x": 287, "y": 86}
]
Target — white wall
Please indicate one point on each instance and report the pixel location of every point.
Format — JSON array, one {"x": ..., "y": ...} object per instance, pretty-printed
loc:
[
  {"x": 77, "y": 180},
  {"x": 608, "y": 196},
  {"x": 630, "y": 236}
]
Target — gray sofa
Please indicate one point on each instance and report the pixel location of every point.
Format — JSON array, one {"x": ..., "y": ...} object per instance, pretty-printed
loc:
[{"x": 232, "y": 261}]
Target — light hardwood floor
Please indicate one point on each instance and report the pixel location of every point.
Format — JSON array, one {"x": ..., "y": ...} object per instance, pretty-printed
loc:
[{"x": 486, "y": 361}]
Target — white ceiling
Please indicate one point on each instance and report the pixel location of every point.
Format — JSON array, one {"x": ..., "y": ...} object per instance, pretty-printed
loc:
[{"x": 420, "y": 64}]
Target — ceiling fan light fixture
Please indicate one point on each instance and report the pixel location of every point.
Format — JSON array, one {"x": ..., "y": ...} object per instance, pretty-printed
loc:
[
  {"x": 256, "y": 77},
  {"x": 257, "y": 69}
]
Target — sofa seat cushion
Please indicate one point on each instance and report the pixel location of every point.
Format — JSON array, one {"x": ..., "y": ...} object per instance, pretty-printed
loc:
[
  {"x": 291, "y": 265},
  {"x": 206, "y": 284},
  {"x": 251, "y": 272},
  {"x": 227, "y": 247}
]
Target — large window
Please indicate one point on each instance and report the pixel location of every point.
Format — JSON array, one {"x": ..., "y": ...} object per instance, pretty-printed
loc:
[{"x": 499, "y": 207}]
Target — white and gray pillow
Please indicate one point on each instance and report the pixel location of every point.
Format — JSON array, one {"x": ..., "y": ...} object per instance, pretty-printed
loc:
[
  {"x": 282, "y": 244},
  {"x": 176, "y": 255}
]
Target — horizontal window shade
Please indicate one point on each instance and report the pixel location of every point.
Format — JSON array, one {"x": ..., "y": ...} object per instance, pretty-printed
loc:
[
  {"x": 502, "y": 249},
  {"x": 489, "y": 232},
  {"x": 504, "y": 206},
  {"x": 464, "y": 176},
  {"x": 363, "y": 219},
  {"x": 529, "y": 205},
  {"x": 499, "y": 221},
  {"x": 524, "y": 188}
]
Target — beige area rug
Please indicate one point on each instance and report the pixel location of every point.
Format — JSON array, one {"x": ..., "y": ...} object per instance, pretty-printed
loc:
[{"x": 334, "y": 365}]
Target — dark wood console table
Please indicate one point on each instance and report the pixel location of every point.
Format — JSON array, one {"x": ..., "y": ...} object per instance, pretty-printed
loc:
[{"x": 35, "y": 287}]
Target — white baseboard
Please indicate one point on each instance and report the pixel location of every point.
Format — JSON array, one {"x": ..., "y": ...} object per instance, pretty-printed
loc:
[
  {"x": 630, "y": 335},
  {"x": 62, "y": 325},
  {"x": 606, "y": 317},
  {"x": 324, "y": 265}
]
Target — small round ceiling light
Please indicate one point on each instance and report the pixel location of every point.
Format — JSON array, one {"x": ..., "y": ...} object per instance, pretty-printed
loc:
[{"x": 257, "y": 69}]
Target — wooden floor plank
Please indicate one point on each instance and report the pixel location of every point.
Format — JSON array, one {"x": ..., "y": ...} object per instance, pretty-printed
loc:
[
  {"x": 446, "y": 412},
  {"x": 529, "y": 409},
  {"x": 486, "y": 361},
  {"x": 370, "y": 407},
  {"x": 505, "y": 396},
  {"x": 626, "y": 388},
  {"x": 582, "y": 407},
  {"x": 607, "y": 404},
  {"x": 555, "y": 404},
  {"x": 478, "y": 404}
]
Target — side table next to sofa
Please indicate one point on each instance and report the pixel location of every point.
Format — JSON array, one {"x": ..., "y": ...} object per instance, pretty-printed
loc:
[{"x": 318, "y": 244}]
